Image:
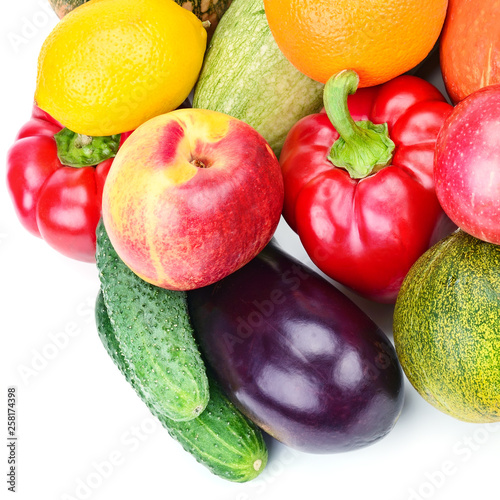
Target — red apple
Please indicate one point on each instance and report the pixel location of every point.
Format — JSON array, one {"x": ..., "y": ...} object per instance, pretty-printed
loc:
[
  {"x": 467, "y": 165},
  {"x": 192, "y": 196}
]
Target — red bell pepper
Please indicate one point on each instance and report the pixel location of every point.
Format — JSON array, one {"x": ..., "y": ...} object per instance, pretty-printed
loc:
[
  {"x": 359, "y": 187},
  {"x": 55, "y": 201}
]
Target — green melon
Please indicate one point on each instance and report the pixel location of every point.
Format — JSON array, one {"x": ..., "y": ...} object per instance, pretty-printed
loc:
[
  {"x": 62, "y": 7},
  {"x": 447, "y": 327},
  {"x": 206, "y": 10}
]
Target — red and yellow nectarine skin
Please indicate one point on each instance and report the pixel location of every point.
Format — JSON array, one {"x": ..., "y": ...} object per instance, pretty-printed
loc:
[{"x": 192, "y": 196}]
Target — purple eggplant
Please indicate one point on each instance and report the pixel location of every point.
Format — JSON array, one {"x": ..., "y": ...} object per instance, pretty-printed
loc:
[{"x": 297, "y": 356}]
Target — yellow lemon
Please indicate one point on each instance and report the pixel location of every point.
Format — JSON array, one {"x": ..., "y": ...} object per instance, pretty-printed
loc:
[{"x": 111, "y": 65}]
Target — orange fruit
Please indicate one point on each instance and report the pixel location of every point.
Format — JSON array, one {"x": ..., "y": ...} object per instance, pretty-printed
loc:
[{"x": 379, "y": 39}]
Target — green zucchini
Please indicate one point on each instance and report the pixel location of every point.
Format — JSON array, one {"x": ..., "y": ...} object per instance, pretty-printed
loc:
[
  {"x": 155, "y": 336},
  {"x": 447, "y": 327},
  {"x": 221, "y": 438},
  {"x": 245, "y": 75}
]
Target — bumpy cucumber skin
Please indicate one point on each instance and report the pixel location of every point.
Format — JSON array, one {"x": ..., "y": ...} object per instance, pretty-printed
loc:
[
  {"x": 447, "y": 327},
  {"x": 155, "y": 337},
  {"x": 221, "y": 438},
  {"x": 245, "y": 75}
]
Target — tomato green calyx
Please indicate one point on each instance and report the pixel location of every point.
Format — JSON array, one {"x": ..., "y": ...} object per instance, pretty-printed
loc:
[
  {"x": 363, "y": 147},
  {"x": 78, "y": 150}
]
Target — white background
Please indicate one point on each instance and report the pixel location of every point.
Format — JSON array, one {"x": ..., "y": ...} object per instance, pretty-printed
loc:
[{"x": 83, "y": 433}]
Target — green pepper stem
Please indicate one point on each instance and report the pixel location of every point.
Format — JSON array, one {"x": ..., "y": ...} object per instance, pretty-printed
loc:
[
  {"x": 77, "y": 150},
  {"x": 363, "y": 147}
]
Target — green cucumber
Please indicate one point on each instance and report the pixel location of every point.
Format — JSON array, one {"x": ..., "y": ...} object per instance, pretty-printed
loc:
[
  {"x": 447, "y": 327},
  {"x": 245, "y": 75},
  {"x": 155, "y": 336},
  {"x": 221, "y": 438}
]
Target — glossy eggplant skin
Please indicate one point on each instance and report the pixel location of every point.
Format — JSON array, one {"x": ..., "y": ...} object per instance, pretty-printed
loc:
[{"x": 297, "y": 356}]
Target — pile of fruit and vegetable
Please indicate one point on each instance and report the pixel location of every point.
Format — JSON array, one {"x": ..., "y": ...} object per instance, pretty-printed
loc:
[{"x": 168, "y": 151}]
